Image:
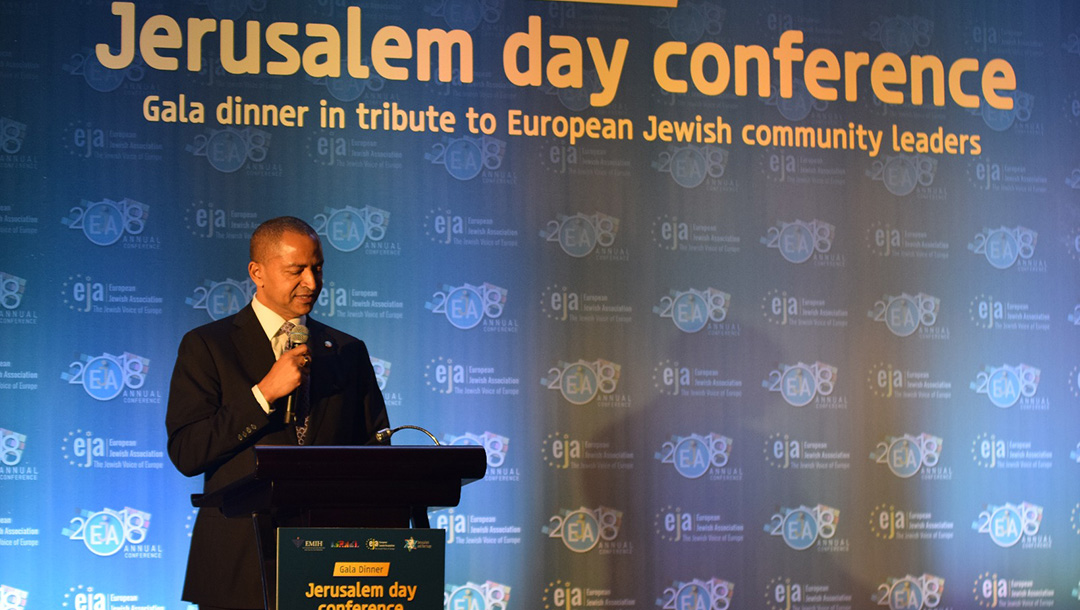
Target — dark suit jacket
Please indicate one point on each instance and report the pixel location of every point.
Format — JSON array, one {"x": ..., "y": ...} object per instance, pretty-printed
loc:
[{"x": 213, "y": 420}]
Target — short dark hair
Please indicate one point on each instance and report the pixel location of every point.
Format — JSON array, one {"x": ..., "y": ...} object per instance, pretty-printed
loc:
[{"x": 271, "y": 231}]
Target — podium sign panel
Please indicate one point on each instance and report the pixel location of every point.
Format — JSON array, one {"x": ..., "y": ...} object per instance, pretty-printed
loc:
[{"x": 360, "y": 569}]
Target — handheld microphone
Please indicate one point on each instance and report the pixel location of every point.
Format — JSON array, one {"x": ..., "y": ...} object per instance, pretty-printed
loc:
[{"x": 297, "y": 336}]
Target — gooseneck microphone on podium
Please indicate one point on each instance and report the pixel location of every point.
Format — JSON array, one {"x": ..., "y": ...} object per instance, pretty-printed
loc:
[
  {"x": 384, "y": 435},
  {"x": 297, "y": 336}
]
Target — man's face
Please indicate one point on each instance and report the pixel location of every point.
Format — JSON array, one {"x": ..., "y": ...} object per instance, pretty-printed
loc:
[{"x": 288, "y": 281}]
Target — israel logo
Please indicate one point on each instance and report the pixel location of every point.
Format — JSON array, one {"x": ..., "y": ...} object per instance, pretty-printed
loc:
[
  {"x": 473, "y": 596},
  {"x": 222, "y": 299},
  {"x": 494, "y": 445},
  {"x": 902, "y": 173},
  {"x": 801, "y": 527},
  {"x": 694, "y": 455},
  {"x": 904, "y": 314},
  {"x": 906, "y": 454},
  {"x": 692, "y": 309},
  {"x": 1003, "y": 247},
  {"x": 580, "y": 382},
  {"x": 582, "y": 528},
  {"x": 12, "y": 445},
  {"x": 579, "y": 234},
  {"x": 227, "y": 150},
  {"x": 801, "y": 383},
  {"x": 105, "y": 222},
  {"x": 104, "y": 377},
  {"x": 348, "y": 228},
  {"x": 12, "y": 133},
  {"x": 466, "y": 306},
  {"x": 797, "y": 241},
  {"x": 689, "y": 165},
  {"x": 910, "y": 592},
  {"x": 382, "y": 371},
  {"x": 12, "y": 598},
  {"x": 1007, "y": 524},
  {"x": 105, "y": 532},
  {"x": 712, "y": 594},
  {"x": 465, "y": 157},
  {"x": 1005, "y": 384},
  {"x": 11, "y": 290}
]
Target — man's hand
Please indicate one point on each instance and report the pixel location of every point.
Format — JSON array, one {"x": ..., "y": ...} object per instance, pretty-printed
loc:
[{"x": 286, "y": 374}]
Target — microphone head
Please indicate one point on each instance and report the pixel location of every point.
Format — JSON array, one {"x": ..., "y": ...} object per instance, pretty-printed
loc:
[{"x": 298, "y": 335}]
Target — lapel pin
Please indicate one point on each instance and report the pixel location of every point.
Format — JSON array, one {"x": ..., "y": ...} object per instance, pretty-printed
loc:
[{"x": 328, "y": 344}]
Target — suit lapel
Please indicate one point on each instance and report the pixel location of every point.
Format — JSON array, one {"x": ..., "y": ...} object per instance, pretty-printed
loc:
[{"x": 257, "y": 356}]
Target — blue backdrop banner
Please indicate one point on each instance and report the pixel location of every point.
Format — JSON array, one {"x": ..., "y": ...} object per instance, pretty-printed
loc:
[{"x": 753, "y": 305}]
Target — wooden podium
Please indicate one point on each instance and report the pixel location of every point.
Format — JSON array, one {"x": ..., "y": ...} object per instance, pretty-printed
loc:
[{"x": 368, "y": 486}]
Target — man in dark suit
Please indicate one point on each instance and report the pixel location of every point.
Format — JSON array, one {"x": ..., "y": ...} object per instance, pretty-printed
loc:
[{"x": 229, "y": 391}]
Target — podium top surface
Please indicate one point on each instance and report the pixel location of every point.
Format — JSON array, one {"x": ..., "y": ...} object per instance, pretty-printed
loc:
[
  {"x": 428, "y": 475},
  {"x": 370, "y": 463}
]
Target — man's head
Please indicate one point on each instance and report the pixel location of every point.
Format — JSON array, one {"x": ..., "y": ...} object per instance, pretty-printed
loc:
[{"x": 286, "y": 266}]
